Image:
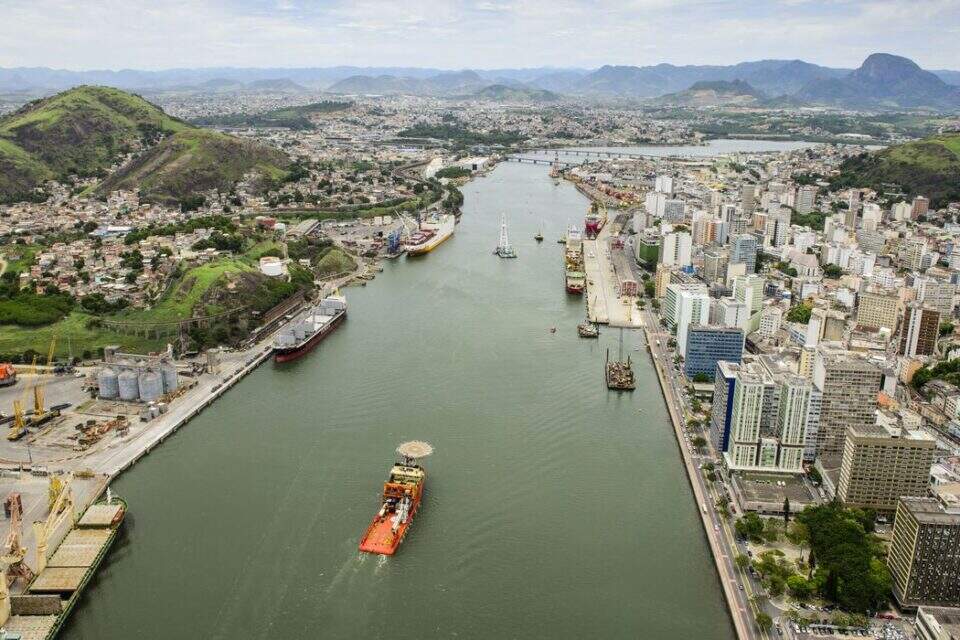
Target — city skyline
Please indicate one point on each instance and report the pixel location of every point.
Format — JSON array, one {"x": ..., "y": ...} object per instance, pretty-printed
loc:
[{"x": 478, "y": 35}]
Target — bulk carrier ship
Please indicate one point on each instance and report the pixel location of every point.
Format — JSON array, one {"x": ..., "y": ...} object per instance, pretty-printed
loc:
[
  {"x": 574, "y": 277},
  {"x": 307, "y": 330},
  {"x": 402, "y": 493},
  {"x": 431, "y": 234}
]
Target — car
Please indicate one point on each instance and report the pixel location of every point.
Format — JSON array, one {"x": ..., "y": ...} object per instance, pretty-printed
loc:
[{"x": 741, "y": 586}]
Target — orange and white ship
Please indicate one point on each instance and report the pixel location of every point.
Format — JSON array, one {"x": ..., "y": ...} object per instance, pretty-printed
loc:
[{"x": 402, "y": 494}]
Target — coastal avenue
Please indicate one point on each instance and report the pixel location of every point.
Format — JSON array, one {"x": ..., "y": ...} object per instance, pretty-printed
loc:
[{"x": 553, "y": 508}]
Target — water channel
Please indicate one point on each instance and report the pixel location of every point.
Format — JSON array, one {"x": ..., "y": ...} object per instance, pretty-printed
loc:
[{"x": 554, "y": 508}]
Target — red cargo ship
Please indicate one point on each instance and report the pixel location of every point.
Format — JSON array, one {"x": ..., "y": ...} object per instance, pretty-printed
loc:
[
  {"x": 402, "y": 493},
  {"x": 302, "y": 334}
]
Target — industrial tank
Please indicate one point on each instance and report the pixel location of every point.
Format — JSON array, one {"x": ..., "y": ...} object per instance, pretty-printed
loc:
[
  {"x": 151, "y": 385},
  {"x": 128, "y": 385},
  {"x": 108, "y": 384},
  {"x": 169, "y": 372}
]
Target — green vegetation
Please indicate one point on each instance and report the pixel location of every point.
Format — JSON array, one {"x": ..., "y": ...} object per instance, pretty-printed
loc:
[
  {"x": 832, "y": 271},
  {"x": 197, "y": 160},
  {"x": 28, "y": 309},
  {"x": 296, "y": 118},
  {"x": 848, "y": 558},
  {"x": 453, "y": 173},
  {"x": 800, "y": 313},
  {"x": 77, "y": 334},
  {"x": 336, "y": 261},
  {"x": 814, "y": 219},
  {"x": 929, "y": 167},
  {"x": 222, "y": 224},
  {"x": 81, "y": 131},
  {"x": 946, "y": 370},
  {"x": 764, "y": 621},
  {"x": 462, "y": 136},
  {"x": 183, "y": 297}
]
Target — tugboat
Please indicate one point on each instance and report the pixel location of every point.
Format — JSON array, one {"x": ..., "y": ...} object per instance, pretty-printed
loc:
[
  {"x": 402, "y": 493},
  {"x": 504, "y": 248},
  {"x": 587, "y": 329}
]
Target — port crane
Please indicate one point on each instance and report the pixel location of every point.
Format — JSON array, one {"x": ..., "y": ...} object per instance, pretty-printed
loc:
[
  {"x": 12, "y": 565},
  {"x": 61, "y": 509},
  {"x": 18, "y": 428}
]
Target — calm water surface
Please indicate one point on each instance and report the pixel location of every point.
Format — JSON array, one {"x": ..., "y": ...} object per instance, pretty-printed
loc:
[{"x": 554, "y": 509}]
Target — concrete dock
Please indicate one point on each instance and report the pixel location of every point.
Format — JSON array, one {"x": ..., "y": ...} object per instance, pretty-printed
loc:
[{"x": 605, "y": 305}]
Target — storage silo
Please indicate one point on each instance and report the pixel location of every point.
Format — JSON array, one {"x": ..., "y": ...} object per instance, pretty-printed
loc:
[
  {"x": 108, "y": 384},
  {"x": 169, "y": 372},
  {"x": 151, "y": 385},
  {"x": 128, "y": 386}
]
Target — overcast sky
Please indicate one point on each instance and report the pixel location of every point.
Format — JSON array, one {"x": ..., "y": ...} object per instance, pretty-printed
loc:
[{"x": 455, "y": 34}]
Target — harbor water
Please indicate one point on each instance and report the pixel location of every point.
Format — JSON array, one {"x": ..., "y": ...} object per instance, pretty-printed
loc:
[{"x": 553, "y": 508}]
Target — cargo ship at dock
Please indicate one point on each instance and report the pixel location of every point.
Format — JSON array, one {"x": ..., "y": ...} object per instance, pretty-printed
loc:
[
  {"x": 402, "y": 494},
  {"x": 431, "y": 234},
  {"x": 307, "y": 330},
  {"x": 594, "y": 220},
  {"x": 574, "y": 277},
  {"x": 41, "y": 609}
]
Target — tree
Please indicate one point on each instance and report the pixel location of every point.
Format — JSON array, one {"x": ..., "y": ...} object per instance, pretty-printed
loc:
[
  {"x": 763, "y": 620},
  {"x": 650, "y": 288},
  {"x": 699, "y": 443},
  {"x": 701, "y": 378},
  {"x": 800, "y": 313},
  {"x": 832, "y": 271},
  {"x": 750, "y": 526},
  {"x": 800, "y": 588},
  {"x": 786, "y": 512},
  {"x": 742, "y": 561}
]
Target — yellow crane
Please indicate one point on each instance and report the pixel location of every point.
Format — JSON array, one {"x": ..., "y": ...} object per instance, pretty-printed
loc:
[
  {"x": 61, "y": 508},
  {"x": 19, "y": 425},
  {"x": 39, "y": 412}
]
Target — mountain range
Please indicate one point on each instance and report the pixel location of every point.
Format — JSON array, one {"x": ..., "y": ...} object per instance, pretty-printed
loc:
[{"x": 883, "y": 81}]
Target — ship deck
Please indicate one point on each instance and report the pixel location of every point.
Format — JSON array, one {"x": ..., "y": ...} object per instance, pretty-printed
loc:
[{"x": 381, "y": 539}]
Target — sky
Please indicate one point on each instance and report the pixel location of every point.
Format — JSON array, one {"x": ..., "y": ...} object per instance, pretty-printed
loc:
[{"x": 457, "y": 34}]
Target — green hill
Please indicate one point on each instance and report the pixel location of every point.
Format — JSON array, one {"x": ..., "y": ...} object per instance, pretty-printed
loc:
[
  {"x": 197, "y": 160},
  {"x": 928, "y": 167},
  {"x": 87, "y": 130},
  {"x": 82, "y": 131}
]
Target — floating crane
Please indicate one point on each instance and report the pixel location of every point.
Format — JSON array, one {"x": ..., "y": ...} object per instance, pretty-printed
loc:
[{"x": 504, "y": 248}]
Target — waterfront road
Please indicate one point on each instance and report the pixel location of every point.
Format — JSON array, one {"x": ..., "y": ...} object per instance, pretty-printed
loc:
[{"x": 737, "y": 585}]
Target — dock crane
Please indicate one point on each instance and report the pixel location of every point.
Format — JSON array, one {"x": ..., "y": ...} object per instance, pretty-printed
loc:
[
  {"x": 40, "y": 414},
  {"x": 61, "y": 509},
  {"x": 18, "y": 428}
]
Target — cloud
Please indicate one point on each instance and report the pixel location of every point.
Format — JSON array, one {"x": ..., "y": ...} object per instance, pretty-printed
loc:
[{"x": 151, "y": 34}]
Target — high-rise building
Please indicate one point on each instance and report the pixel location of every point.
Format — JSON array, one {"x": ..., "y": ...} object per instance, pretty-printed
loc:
[
  {"x": 924, "y": 556},
  {"x": 872, "y": 216},
  {"x": 721, "y": 409},
  {"x": 770, "y": 319},
  {"x": 745, "y": 420},
  {"x": 937, "y": 623},
  {"x": 707, "y": 345},
  {"x": 935, "y": 294},
  {"x": 700, "y": 227},
  {"x": 919, "y": 331},
  {"x": 920, "y": 207},
  {"x": 647, "y": 249},
  {"x": 878, "y": 308},
  {"x": 687, "y": 305},
  {"x": 914, "y": 252},
  {"x": 880, "y": 464},
  {"x": 806, "y": 198},
  {"x": 853, "y": 209},
  {"x": 791, "y": 425},
  {"x": 848, "y": 385},
  {"x": 673, "y": 211},
  {"x": 664, "y": 184},
  {"x": 749, "y": 290},
  {"x": 748, "y": 198},
  {"x": 743, "y": 249},
  {"x": 901, "y": 211},
  {"x": 715, "y": 265},
  {"x": 676, "y": 249}
]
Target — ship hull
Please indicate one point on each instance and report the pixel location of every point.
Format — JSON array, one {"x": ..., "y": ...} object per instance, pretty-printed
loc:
[
  {"x": 424, "y": 249},
  {"x": 292, "y": 353},
  {"x": 381, "y": 539}
]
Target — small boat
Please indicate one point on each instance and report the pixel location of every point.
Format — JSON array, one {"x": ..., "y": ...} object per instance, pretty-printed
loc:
[
  {"x": 553, "y": 329},
  {"x": 538, "y": 237}
]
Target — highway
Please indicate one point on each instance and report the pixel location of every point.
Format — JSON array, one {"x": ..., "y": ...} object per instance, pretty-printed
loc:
[{"x": 738, "y": 586}]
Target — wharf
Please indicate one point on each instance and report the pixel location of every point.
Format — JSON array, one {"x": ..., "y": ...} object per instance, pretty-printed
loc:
[
  {"x": 604, "y": 303},
  {"x": 41, "y": 610}
]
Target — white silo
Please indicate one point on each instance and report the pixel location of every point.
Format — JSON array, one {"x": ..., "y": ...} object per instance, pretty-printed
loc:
[{"x": 108, "y": 384}]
